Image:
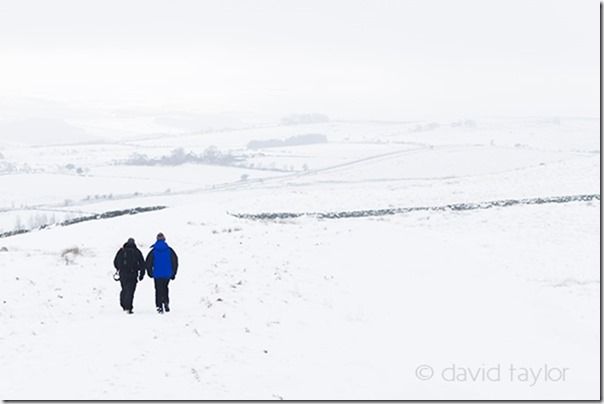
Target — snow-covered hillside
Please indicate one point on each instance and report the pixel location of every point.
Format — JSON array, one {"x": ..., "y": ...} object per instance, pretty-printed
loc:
[{"x": 308, "y": 307}]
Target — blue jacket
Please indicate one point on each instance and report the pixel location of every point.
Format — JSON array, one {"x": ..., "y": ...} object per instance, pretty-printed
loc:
[{"x": 161, "y": 262}]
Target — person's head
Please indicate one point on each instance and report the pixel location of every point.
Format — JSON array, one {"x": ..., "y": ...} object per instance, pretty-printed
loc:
[
  {"x": 130, "y": 241},
  {"x": 160, "y": 236}
]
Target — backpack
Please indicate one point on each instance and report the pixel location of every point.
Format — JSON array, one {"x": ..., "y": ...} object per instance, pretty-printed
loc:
[{"x": 129, "y": 263}]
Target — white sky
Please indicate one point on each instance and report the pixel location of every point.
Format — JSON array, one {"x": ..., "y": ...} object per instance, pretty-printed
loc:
[{"x": 381, "y": 59}]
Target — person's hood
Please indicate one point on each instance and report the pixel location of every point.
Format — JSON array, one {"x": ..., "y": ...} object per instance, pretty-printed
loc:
[
  {"x": 160, "y": 245},
  {"x": 129, "y": 244}
]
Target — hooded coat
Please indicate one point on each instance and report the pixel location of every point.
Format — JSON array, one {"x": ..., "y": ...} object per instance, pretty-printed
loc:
[
  {"x": 162, "y": 261},
  {"x": 129, "y": 262}
]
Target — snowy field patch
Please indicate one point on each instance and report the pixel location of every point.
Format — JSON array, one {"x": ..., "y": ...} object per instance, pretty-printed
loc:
[{"x": 499, "y": 267}]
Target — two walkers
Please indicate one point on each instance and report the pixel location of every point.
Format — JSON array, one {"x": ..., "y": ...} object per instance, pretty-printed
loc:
[{"x": 161, "y": 264}]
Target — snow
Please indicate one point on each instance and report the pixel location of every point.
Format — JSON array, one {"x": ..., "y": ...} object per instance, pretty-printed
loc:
[{"x": 310, "y": 308}]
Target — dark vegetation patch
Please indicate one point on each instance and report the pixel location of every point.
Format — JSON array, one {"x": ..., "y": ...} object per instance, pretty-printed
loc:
[
  {"x": 81, "y": 219},
  {"x": 394, "y": 211}
]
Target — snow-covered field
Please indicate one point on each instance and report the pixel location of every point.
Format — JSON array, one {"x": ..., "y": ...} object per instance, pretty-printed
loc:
[{"x": 310, "y": 308}]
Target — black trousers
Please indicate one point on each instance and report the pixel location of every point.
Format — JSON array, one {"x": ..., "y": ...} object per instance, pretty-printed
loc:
[
  {"x": 161, "y": 292},
  {"x": 127, "y": 293}
]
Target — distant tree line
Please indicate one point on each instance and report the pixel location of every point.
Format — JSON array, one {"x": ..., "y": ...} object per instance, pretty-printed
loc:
[
  {"x": 299, "y": 140},
  {"x": 179, "y": 156},
  {"x": 303, "y": 119}
]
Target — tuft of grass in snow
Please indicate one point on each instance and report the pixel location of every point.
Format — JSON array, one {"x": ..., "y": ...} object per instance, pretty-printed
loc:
[{"x": 70, "y": 253}]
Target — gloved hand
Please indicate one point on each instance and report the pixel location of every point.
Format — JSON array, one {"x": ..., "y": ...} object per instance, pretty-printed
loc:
[
  {"x": 173, "y": 276},
  {"x": 141, "y": 276}
]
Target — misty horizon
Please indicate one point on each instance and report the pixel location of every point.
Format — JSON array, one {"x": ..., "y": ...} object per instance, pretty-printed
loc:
[{"x": 263, "y": 60}]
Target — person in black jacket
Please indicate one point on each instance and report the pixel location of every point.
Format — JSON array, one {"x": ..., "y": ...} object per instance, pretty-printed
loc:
[
  {"x": 130, "y": 264},
  {"x": 162, "y": 264}
]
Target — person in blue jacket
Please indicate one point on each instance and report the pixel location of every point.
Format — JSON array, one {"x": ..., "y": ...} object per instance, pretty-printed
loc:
[{"x": 162, "y": 264}]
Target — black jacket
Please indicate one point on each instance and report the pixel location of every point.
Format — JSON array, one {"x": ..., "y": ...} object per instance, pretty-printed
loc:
[{"x": 129, "y": 262}]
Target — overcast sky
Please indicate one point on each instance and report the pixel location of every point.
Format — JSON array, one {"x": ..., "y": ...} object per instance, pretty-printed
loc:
[{"x": 377, "y": 59}]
